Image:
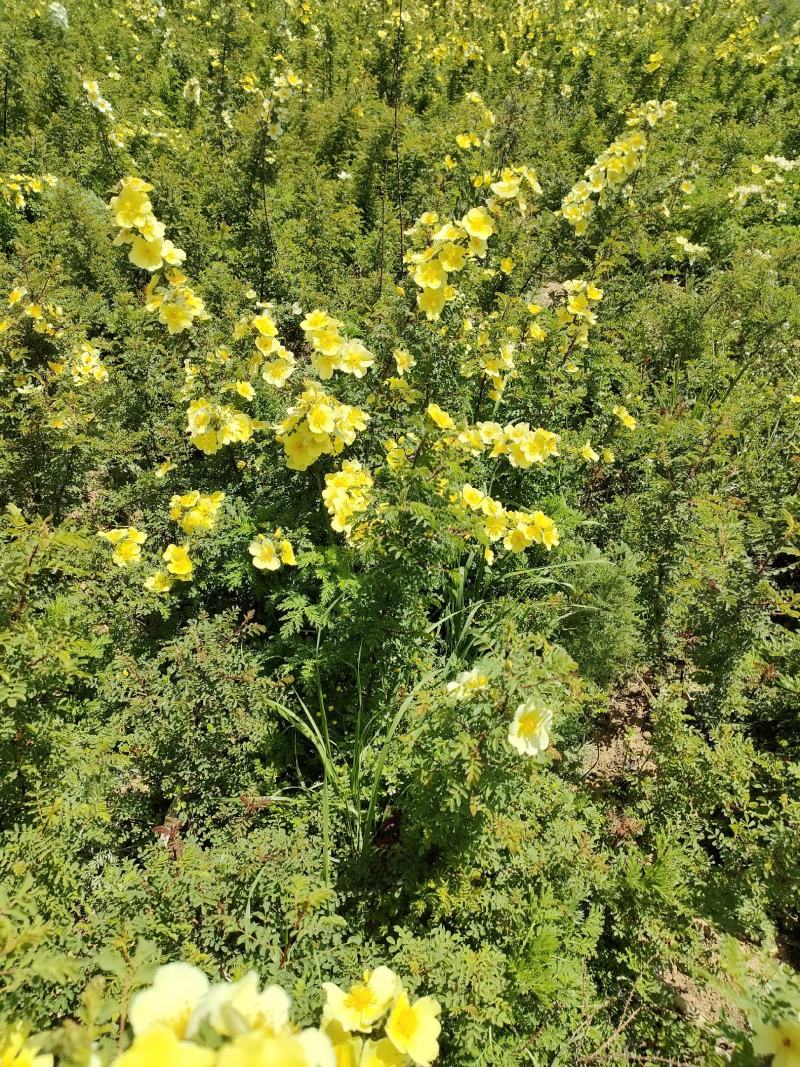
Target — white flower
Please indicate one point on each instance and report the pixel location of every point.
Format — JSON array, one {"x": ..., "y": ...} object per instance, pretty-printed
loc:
[
  {"x": 58, "y": 15},
  {"x": 529, "y": 732},
  {"x": 191, "y": 91}
]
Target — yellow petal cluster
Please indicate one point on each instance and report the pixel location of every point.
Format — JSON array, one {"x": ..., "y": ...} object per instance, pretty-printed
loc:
[
  {"x": 612, "y": 168},
  {"x": 346, "y": 494},
  {"x": 269, "y": 553},
  {"x": 127, "y": 542},
  {"x": 176, "y": 302},
  {"x": 85, "y": 365},
  {"x": 184, "y": 1020},
  {"x": 139, "y": 228},
  {"x": 518, "y": 530},
  {"x": 211, "y": 425},
  {"x": 317, "y": 424},
  {"x": 331, "y": 351},
  {"x": 277, "y": 369},
  {"x": 194, "y": 511}
]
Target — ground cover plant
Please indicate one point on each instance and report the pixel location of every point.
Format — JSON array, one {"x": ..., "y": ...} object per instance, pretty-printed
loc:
[{"x": 399, "y": 533}]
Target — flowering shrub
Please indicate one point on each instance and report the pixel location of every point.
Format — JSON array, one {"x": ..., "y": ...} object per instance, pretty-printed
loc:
[{"x": 399, "y": 533}]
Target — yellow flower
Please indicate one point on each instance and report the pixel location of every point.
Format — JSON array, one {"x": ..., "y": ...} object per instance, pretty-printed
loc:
[
  {"x": 195, "y": 511},
  {"x": 381, "y": 1054},
  {"x": 310, "y": 1048},
  {"x": 466, "y": 684},
  {"x": 780, "y": 1040},
  {"x": 178, "y": 563},
  {"x": 278, "y": 371},
  {"x": 243, "y": 389},
  {"x": 229, "y": 1007},
  {"x": 127, "y": 542},
  {"x": 654, "y": 62},
  {"x": 17, "y": 294},
  {"x": 315, "y": 320},
  {"x": 176, "y": 317},
  {"x": 508, "y": 187},
  {"x": 430, "y": 274},
  {"x": 472, "y": 497},
  {"x": 159, "y": 1046},
  {"x": 440, "y": 417},
  {"x": 404, "y": 361},
  {"x": 177, "y": 987},
  {"x": 287, "y": 554},
  {"x": 160, "y": 582},
  {"x": 624, "y": 416},
  {"x": 507, "y": 265},
  {"x": 17, "y": 1051},
  {"x": 413, "y": 1029},
  {"x": 265, "y": 556},
  {"x": 265, "y": 325},
  {"x": 529, "y": 732},
  {"x": 365, "y": 1003},
  {"x": 346, "y": 493},
  {"x": 431, "y": 301},
  {"x": 164, "y": 468},
  {"x": 589, "y": 454},
  {"x": 478, "y": 223},
  {"x": 355, "y": 358},
  {"x": 147, "y": 254}
]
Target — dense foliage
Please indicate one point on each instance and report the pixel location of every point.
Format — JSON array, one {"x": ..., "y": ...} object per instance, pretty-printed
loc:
[{"x": 400, "y": 475}]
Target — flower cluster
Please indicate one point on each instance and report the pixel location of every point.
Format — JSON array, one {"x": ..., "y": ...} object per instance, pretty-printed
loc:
[
  {"x": 317, "y": 424},
  {"x": 346, "y": 494},
  {"x": 624, "y": 416},
  {"x": 211, "y": 426},
  {"x": 43, "y": 318},
  {"x": 612, "y": 168},
  {"x": 449, "y": 246},
  {"x": 278, "y": 368},
  {"x": 194, "y": 511},
  {"x": 139, "y": 228},
  {"x": 447, "y": 250},
  {"x": 518, "y": 530},
  {"x": 522, "y": 446},
  {"x": 497, "y": 366},
  {"x": 274, "y": 109},
  {"x": 176, "y": 302},
  {"x": 690, "y": 250},
  {"x": 333, "y": 352},
  {"x": 578, "y": 313},
  {"x": 411, "y": 1029},
  {"x": 14, "y": 188},
  {"x": 270, "y": 552},
  {"x": 85, "y": 365},
  {"x": 127, "y": 542},
  {"x": 96, "y": 99},
  {"x": 182, "y": 1018}
]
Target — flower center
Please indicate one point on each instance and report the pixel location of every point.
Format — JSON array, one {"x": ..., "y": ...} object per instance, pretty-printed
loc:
[
  {"x": 360, "y": 997},
  {"x": 529, "y": 723}
]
